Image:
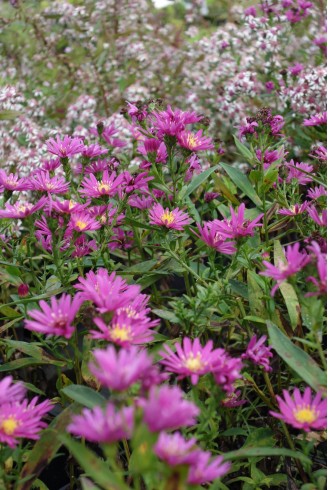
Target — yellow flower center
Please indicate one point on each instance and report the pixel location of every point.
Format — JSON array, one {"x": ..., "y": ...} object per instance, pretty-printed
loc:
[
  {"x": 81, "y": 225},
  {"x": 103, "y": 187},
  {"x": 192, "y": 141},
  {"x": 167, "y": 217},
  {"x": 121, "y": 332},
  {"x": 194, "y": 363},
  {"x": 305, "y": 414},
  {"x": 9, "y": 425}
]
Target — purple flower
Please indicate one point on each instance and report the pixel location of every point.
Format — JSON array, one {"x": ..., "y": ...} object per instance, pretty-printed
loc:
[
  {"x": 120, "y": 370},
  {"x": 316, "y": 120},
  {"x": 258, "y": 353},
  {"x": 175, "y": 450},
  {"x": 57, "y": 318},
  {"x": 295, "y": 261},
  {"x": 302, "y": 412},
  {"x": 204, "y": 471},
  {"x": 166, "y": 409},
  {"x": 103, "y": 425},
  {"x": 65, "y": 148},
  {"x": 174, "y": 219}
]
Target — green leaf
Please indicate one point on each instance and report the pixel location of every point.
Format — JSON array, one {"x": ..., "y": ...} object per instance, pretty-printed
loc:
[
  {"x": 84, "y": 395},
  {"x": 242, "y": 183},
  {"x": 243, "y": 150},
  {"x": 198, "y": 180},
  {"x": 94, "y": 467},
  {"x": 261, "y": 452},
  {"x": 286, "y": 289},
  {"x": 296, "y": 358}
]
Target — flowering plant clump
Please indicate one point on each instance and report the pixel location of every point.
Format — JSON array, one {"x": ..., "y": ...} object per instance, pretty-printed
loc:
[{"x": 162, "y": 246}]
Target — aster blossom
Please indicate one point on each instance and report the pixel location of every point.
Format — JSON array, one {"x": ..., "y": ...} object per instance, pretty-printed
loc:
[
  {"x": 56, "y": 318},
  {"x": 120, "y": 370},
  {"x": 175, "y": 219},
  {"x": 258, "y": 353},
  {"x": 191, "y": 359},
  {"x": 22, "y": 420},
  {"x": 65, "y": 148},
  {"x": 295, "y": 261},
  {"x": 302, "y": 411},
  {"x": 103, "y": 425}
]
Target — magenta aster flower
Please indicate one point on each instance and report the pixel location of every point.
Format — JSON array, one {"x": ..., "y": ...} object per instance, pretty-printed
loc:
[
  {"x": 295, "y": 261},
  {"x": 294, "y": 210},
  {"x": 22, "y": 209},
  {"x": 57, "y": 318},
  {"x": 214, "y": 240},
  {"x": 194, "y": 141},
  {"x": 237, "y": 226},
  {"x": 258, "y": 353},
  {"x": 317, "y": 192},
  {"x": 14, "y": 392},
  {"x": 321, "y": 220},
  {"x": 83, "y": 222},
  {"x": 175, "y": 219},
  {"x": 103, "y": 425},
  {"x": 302, "y": 412},
  {"x": 107, "y": 186},
  {"x": 12, "y": 182},
  {"x": 107, "y": 292},
  {"x": 191, "y": 359},
  {"x": 22, "y": 420},
  {"x": 123, "y": 330},
  {"x": 316, "y": 120},
  {"x": 175, "y": 450},
  {"x": 166, "y": 409},
  {"x": 205, "y": 470},
  {"x": 296, "y": 171},
  {"x": 44, "y": 183},
  {"x": 65, "y": 148},
  {"x": 120, "y": 370},
  {"x": 226, "y": 370},
  {"x": 93, "y": 151}
]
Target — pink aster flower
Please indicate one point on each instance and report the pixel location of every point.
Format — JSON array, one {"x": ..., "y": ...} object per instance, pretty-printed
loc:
[
  {"x": 83, "y": 222},
  {"x": 65, "y": 148},
  {"x": 316, "y": 120},
  {"x": 175, "y": 450},
  {"x": 317, "y": 192},
  {"x": 302, "y": 412},
  {"x": 57, "y": 318},
  {"x": 107, "y": 186},
  {"x": 214, "y": 240},
  {"x": 42, "y": 182},
  {"x": 14, "y": 392},
  {"x": 120, "y": 370},
  {"x": 22, "y": 420},
  {"x": 108, "y": 291},
  {"x": 258, "y": 353},
  {"x": 191, "y": 359},
  {"x": 296, "y": 171},
  {"x": 175, "y": 219},
  {"x": 294, "y": 210},
  {"x": 237, "y": 226},
  {"x": 103, "y": 425},
  {"x": 195, "y": 141},
  {"x": 166, "y": 409},
  {"x": 295, "y": 261},
  {"x": 22, "y": 209},
  {"x": 123, "y": 330},
  {"x": 205, "y": 470},
  {"x": 226, "y": 370},
  {"x": 12, "y": 182},
  {"x": 93, "y": 151},
  {"x": 321, "y": 220}
]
